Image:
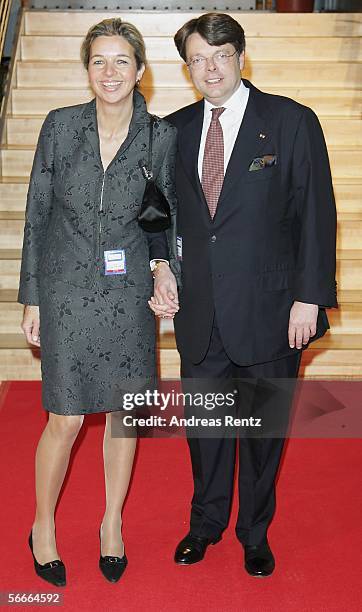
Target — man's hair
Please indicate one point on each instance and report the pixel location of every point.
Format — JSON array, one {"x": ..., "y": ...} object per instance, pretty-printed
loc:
[
  {"x": 216, "y": 28},
  {"x": 115, "y": 27}
]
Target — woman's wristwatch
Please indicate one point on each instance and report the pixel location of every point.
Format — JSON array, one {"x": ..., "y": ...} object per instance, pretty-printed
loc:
[{"x": 154, "y": 264}]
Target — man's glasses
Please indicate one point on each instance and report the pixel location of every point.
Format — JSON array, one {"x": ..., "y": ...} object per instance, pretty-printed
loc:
[{"x": 220, "y": 58}]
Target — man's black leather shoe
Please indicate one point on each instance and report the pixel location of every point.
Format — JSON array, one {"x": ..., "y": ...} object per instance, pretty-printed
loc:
[
  {"x": 259, "y": 560},
  {"x": 53, "y": 571},
  {"x": 192, "y": 549}
]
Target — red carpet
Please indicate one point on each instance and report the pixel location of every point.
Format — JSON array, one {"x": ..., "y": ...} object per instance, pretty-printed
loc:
[{"x": 316, "y": 535}]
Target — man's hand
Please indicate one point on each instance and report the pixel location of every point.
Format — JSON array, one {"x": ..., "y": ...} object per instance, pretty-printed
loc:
[
  {"x": 31, "y": 324},
  {"x": 302, "y": 323},
  {"x": 164, "y": 302}
]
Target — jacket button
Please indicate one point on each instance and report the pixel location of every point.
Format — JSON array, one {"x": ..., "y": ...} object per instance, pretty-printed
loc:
[{"x": 213, "y": 238}]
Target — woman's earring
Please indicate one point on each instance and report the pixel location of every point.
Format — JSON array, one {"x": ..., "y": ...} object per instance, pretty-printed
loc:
[{"x": 138, "y": 81}]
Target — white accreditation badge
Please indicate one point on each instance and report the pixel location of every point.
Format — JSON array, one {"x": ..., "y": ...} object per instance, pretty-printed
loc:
[
  {"x": 179, "y": 247},
  {"x": 115, "y": 262}
]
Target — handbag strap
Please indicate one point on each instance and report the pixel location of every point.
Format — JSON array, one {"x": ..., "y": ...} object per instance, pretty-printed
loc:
[
  {"x": 147, "y": 171},
  {"x": 150, "y": 144}
]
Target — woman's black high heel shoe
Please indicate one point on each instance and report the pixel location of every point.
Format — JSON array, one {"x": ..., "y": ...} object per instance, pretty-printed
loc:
[
  {"x": 53, "y": 571},
  {"x": 112, "y": 568}
]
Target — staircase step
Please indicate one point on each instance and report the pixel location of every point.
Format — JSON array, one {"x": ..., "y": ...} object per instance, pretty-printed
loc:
[
  {"x": 337, "y": 132},
  {"x": 76, "y": 23},
  {"x": 24, "y": 130},
  {"x": 20, "y": 364},
  {"x": 161, "y": 74},
  {"x": 67, "y": 48},
  {"x": 164, "y": 100},
  {"x": 12, "y": 200},
  {"x": 345, "y": 162},
  {"x": 346, "y": 319},
  {"x": 330, "y": 341},
  {"x": 348, "y": 296},
  {"x": 17, "y": 160},
  {"x": 11, "y": 236},
  {"x": 10, "y": 254},
  {"x": 13, "y": 254},
  {"x": 348, "y": 196},
  {"x": 8, "y": 295},
  {"x": 11, "y": 315},
  {"x": 316, "y": 363},
  {"x": 350, "y": 216},
  {"x": 349, "y": 275},
  {"x": 9, "y": 215},
  {"x": 9, "y": 278},
  {"x": 349, "y": 235},
  {"x": 40, "y": 101},
  {"x": 340, "y": 342},
  {"x": 319, "y": 363},
  {"x": 13, "y": 341},
  {"x": 329, "y": 49},
  {"x": 348, "y": 254},
  {"x": 12, "y": 180},
  {"x": 24, "y": 364}
]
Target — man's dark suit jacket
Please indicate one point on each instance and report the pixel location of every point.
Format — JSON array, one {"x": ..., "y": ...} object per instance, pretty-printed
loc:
[{"x": 272, "y": 240}]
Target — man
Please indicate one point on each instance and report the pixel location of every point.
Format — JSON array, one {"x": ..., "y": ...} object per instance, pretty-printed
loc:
[{"x": 256, "y": 242}]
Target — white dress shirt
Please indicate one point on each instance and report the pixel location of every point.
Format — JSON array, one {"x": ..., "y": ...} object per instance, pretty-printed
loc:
[{"x": 230, "y": 121}]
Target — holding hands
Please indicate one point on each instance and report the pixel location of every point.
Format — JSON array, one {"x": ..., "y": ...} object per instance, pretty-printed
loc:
[{"x": 164, "y": 302}]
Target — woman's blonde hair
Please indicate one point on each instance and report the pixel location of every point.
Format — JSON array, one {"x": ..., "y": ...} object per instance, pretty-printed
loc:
[{"x": 115, "y": 27}]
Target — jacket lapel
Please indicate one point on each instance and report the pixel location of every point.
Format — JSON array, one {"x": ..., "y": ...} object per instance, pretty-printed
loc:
[
  {"x": 189, "y": 143},
  {"x": 140, "y": 119},
  {"x": 89, "y": 128},
  {"x": 89, "y": 125},
  {"x": 252, "y": 138}
]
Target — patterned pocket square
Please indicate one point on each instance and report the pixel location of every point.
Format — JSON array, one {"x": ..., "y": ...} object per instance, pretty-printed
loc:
[{"x": 259, "y": 163}]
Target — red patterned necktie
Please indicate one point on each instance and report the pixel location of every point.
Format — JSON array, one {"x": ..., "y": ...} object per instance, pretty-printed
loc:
[{"x": 213, "y": 162}]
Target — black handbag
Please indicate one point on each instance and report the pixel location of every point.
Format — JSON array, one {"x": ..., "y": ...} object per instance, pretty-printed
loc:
[{"x": 155, "y": 214}]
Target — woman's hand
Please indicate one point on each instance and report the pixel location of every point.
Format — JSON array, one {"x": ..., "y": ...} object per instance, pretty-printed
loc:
[
  {"x": 31, "y": 324},
  {"x": 164, "y": 302}
]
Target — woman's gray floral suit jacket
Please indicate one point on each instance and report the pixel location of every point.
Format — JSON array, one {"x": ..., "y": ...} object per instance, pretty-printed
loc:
[{"x": 76, "y": 211}]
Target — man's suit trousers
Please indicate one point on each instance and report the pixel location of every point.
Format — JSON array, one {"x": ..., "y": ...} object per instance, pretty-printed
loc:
[{"x": 213, "y": 458}]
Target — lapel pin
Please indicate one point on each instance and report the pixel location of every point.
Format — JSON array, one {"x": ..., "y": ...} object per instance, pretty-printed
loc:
[{"x": 261, "y": 135}]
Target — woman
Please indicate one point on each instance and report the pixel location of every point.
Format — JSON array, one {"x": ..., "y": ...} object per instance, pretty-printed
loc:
[{"x": 85, "y": 276}]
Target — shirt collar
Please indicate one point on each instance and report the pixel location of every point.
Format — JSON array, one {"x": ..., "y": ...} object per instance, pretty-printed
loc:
[{"x": 235, "y": 103}]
